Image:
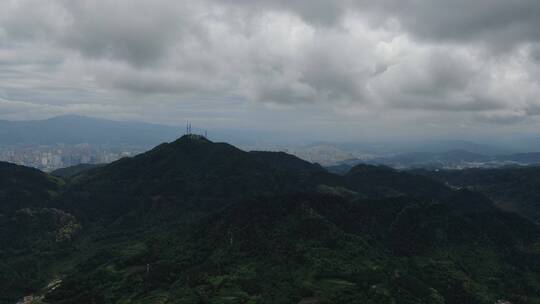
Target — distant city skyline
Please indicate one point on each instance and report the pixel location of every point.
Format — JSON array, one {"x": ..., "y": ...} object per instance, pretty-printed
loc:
[
  {"x": 52, "y": 157},
  {"x": 71, "y": 140}
]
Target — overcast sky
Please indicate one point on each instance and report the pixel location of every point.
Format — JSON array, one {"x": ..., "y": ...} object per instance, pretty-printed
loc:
[{"x": 349, "y": 69}]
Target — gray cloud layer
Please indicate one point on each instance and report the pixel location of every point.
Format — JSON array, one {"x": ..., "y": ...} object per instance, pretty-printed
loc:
[{"x": 459, "y": 63}]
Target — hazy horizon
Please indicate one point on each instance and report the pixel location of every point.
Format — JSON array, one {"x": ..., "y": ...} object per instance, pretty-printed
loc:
[{"x": 81, "y": 126}]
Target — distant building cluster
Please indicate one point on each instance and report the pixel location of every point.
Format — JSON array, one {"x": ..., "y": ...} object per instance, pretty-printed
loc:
[{"x": 52, "y": 157}]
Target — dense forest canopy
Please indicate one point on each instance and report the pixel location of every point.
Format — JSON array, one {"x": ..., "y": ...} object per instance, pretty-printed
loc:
[{"x": 194, "y": 221}]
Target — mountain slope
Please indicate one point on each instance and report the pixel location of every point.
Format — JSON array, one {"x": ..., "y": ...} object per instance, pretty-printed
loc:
[
  {"x": 72, "y": 171},
  {"x": 376, "y": 181},
  {"x": 282, "y": 249},
  {"x": 22, "y": 187},
  {"x": 190, "y": 172},
  {"x": 32, "y": 235},
  {"x": 514, "y": 189},
  {"x": 194, "y": 221},
  {"x": 284, "y": 161}
]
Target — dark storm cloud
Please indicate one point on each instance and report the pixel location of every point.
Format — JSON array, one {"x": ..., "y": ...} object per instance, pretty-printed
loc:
[
  {"x": 318, "y": 12},
  {"x": 534, "y": 52},
  {"x": 139, "y": 32},
  {"x": 533, "y": 109},
  {"x": 498, "y": 22}
]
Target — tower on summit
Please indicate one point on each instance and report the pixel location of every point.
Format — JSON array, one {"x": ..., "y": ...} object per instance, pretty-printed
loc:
[{"x": 189, "y": 132}]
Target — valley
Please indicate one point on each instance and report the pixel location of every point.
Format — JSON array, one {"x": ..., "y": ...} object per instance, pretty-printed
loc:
[{"x": 193, "y": 221}]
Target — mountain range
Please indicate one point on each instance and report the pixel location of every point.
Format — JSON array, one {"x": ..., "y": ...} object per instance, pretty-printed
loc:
[
  {"x": 453, "y": 159},
  {"x": 73, "y": 129},
  {"x": 194, "y": 221},
  {"x": 76, "y": 129},
  {"x": 135, "y": 137}
]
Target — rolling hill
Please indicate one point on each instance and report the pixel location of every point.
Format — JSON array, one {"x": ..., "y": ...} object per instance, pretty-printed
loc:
[{"x": 193, "y": 221}]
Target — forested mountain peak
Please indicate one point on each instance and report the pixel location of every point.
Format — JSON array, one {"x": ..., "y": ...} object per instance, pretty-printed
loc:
[{"x": 193, "y": 221}]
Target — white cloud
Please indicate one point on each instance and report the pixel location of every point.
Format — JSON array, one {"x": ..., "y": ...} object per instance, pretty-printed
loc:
[{"x": 469, "y": 62}]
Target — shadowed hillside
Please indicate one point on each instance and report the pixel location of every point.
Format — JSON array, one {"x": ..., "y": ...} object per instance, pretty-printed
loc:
[
  {"x": 194, "y": 221},
  {"x": 513, "y": 189}
]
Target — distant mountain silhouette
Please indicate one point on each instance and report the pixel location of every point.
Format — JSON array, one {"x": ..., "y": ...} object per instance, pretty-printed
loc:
[
  {"x": 524, "y": 158},
  {"x": 453, "y": 159},
  {"x": 73, "y": 129}
]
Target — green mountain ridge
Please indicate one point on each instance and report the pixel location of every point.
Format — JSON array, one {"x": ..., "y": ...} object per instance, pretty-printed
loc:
[
  {"x": 194, "y": 221},
  {"x": 72, "y": 171}
]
